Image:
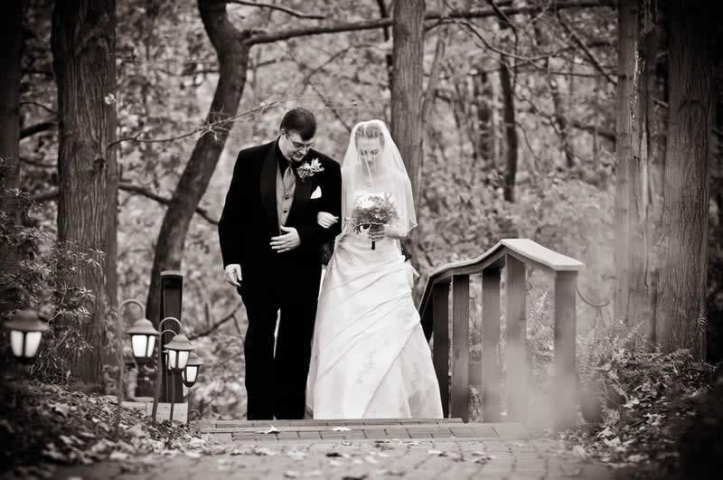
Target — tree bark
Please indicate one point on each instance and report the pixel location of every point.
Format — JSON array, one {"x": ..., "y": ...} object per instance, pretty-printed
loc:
[
  {"x": 637, "y": 138},
  {"x": 486, "y": 131},
  {"x": 680, "y": 311},
  {"x": 407, "y": 124},
  {"x": 508, "y": 107},
  {"x": 233, "y": 53},
  {"x": 408, "y": 54},
  {"x": 83, "y": 44},
  {"x": 11, "y": 23}
]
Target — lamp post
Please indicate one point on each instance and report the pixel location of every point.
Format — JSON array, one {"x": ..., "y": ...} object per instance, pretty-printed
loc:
[
  {"x": 26, "y": 331},
  {"x": 190, "y": 375},
  {"x": 179, "y": 351},
  {"x": 160, "y": 371}
]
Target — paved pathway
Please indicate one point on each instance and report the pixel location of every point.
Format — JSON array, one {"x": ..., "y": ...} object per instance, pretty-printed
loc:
[{"x": 347, "y": 450}]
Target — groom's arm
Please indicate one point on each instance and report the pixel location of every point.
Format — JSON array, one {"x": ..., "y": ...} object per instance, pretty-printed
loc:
[{"x": 231, "y": 227}]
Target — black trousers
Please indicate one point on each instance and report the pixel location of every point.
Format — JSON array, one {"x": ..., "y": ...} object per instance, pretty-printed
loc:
[{"x": 276, "y": 382}]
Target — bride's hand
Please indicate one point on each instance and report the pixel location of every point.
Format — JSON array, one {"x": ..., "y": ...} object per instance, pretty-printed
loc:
[
  {"x": 377, "y": 233},
  {"x": 326, "y": 219}
]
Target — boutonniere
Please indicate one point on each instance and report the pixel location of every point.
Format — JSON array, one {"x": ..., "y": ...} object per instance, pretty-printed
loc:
[{"x": 309, "y": 169}]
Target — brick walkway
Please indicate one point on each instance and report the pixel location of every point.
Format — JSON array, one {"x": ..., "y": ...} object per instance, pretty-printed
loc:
[{"x": 348, "y": 450}]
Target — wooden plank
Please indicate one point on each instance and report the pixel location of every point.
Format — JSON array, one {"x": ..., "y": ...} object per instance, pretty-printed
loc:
[
  {"x": 544, "y": 256},
  {"x": 564, "y": 381},
  {"x": 460, "y": 347},
  {"x": 516, "y": 363},
  {"x": 490, "y": 342},
  {"x": 441, "y": 342}
]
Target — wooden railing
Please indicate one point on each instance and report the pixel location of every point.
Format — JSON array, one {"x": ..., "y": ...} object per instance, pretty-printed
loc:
[{"x": 517, "y": 255}]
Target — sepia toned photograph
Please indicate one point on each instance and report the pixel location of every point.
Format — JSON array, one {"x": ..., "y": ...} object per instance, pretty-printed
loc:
[{"x": 361, "y": 239}]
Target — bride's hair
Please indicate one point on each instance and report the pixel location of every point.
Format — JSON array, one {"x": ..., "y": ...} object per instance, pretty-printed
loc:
[{"x": 372, "y": 129}]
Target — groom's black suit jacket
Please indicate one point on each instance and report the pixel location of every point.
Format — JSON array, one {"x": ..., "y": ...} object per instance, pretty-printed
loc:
[{"x": 249, "y": 218}]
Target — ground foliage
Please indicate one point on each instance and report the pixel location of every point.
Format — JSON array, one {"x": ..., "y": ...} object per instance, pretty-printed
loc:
[
  {"x": 51, "y": 425},
  {"x": 652, "y": 402}
]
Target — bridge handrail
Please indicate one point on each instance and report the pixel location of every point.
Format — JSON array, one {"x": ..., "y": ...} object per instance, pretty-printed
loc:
[
  {"x": 451, "y": 355},
  {"x": 527, "y": 251}
]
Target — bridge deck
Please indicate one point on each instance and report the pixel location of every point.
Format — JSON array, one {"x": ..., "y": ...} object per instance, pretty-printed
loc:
[{"x": 336, "y": 430}]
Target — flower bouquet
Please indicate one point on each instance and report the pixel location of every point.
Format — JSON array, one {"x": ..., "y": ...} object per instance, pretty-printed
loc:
[{"x": 373, "y": 209}]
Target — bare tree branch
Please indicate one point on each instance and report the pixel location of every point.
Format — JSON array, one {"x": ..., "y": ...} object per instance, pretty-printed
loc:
[
  {"x": 288, "y": 11},
  {"x": 37, "y": 128},
  {"x": 134, "y": 189},
  {"x": 35, "y": 163},
  {"x": 38, "y": 104},
  {"x": 260, "y": 38},
  {"x": 212, "y": 128},
  {"x": 144, "y": 192},
  {"x": 588, "y": 53},
  {"x": 217, "y": 325}
]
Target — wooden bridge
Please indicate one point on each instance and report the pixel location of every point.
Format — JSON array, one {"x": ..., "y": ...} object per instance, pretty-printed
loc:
[{"x": 516, "y": 256}]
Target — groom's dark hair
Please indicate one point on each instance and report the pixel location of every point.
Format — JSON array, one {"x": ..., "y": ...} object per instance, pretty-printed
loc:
[{"x": 301, "y": 121}]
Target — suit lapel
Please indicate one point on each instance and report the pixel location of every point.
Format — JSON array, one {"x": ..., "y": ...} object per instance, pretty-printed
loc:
[{"x": 268, "y": 190}]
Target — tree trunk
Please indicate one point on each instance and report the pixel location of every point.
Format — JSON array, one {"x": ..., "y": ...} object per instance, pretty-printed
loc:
[
  {"x": 637, "y": 137},
  {"x": 407, "y": 124},
  {"x": 384, "y": 13},
  {"x": 11, "y": 23},
  {"x": 507, "y": 91},
  {"x": 408, "y": 55},
  {"x": 232, "y": 52},
  {"x": 680, "y": 311},
  {"x": 511, "y": 147},
  {"x": 485, "y": 101},
  {"x": 83, "y": 44}
]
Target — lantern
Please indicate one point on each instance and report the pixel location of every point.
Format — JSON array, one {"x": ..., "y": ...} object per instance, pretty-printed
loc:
[
  {"x": 143, "y": 338},
  {"x": 179, "y": 349},
  {"x": 26, "y": 330},
  {"x": 190, "y": 373}
]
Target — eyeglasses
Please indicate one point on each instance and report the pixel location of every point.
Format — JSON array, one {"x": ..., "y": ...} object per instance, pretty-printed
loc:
[{"x": 299, "y": 145}]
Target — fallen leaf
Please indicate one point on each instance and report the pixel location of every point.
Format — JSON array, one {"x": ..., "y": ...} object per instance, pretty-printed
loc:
[
  {"x": 268, "y": 431},
  {"x": 297, "y": 454},
  {"x": 263, "y": 451},
  {"x": 136, "y": 430},
  {"x": 579, "y": 451},
  {"x": 118, "y": 455}
]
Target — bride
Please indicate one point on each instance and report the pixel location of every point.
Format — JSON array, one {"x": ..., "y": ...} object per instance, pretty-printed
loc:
[{"x": 370, "y": 358}]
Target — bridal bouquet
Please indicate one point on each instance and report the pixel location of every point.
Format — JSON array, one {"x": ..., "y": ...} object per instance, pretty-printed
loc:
[{"x": 373, "y": 209}]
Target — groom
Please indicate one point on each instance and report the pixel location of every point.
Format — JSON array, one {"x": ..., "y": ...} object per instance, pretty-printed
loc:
[{"x": 271, "y": 248}]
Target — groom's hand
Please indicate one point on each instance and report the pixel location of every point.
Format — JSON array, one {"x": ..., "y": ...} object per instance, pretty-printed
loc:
[
  {"x": 233, "y": 274},
  {"x": 286, "y": 242}
]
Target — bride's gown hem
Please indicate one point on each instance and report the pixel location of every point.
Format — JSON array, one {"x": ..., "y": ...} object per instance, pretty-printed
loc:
[{"x": 370, "y": 358}]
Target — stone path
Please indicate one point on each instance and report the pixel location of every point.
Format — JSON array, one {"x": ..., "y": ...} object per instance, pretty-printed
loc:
[{"x": 347, "y": 450}]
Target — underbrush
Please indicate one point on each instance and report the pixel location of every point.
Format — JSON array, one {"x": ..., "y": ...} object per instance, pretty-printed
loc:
[{"x": 44, "y": 425}]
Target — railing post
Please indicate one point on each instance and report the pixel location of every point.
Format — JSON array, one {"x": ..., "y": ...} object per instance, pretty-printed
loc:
[
  {"x": 490, "y": 341},
  {"x": 516, "y": 363},
  {"x": 564, "y": 382},
  {"x": 460, "y": 347},
  {"x": 440, "y": 307}
]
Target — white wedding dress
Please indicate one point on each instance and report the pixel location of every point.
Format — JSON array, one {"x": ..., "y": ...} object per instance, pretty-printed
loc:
[{"x": 370, "y": 358}]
